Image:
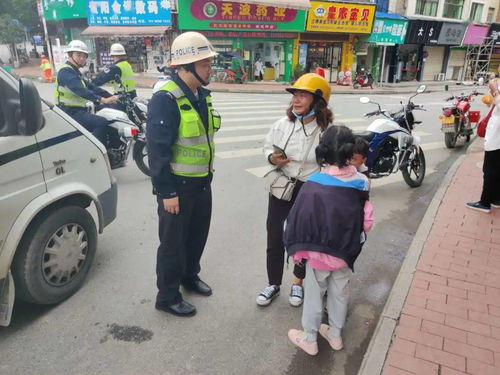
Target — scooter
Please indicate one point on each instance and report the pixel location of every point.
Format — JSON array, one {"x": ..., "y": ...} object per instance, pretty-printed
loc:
[
  {"x": 363, "y": 79},
  {"x": 237, "y": 76},
  {"x": 457, "y": 118},
  {"x": 392, "y": 145}
]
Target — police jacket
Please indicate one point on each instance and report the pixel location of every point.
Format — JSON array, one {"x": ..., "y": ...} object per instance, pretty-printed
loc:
[
  {"x": 327, "y": 217},
  {"x": 162, "y": 133},
  {"x": 72, "y": 80},
  {"x": 112, "y": 74}
]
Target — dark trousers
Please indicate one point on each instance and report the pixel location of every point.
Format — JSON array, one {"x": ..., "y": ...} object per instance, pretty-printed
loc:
[
  {"x": 97, "y": 125},
  {"x": 182, "y": 240},
  {"x": 277, "y": 213},
  {"x": 491, "y": 178}
]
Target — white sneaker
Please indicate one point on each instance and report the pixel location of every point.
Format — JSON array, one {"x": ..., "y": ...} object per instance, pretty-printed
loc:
[
  {"x": 335, "y": 342},
  {"x": 268, "y": 294},
  {"x": 296, "y": 295}
]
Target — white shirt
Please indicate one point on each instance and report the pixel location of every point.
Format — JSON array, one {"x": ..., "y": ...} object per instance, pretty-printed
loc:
[
  {"x": 296, "y": 147},
  {"x": 492, "y": 136},
  {"x": 259, "y": 67}
]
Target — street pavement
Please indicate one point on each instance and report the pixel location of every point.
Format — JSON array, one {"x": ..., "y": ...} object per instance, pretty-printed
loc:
[{"x": 111, "y": 327}]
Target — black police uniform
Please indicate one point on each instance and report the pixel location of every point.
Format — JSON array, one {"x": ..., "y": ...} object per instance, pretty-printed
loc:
[
  {"x": 72, "y": 79},
  {"x": 182, "y": 236}
]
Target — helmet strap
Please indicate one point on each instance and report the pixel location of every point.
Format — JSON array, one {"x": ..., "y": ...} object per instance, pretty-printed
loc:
[
  {"x": 302, "y": 117},
  {"x": 191, "y": 68}
]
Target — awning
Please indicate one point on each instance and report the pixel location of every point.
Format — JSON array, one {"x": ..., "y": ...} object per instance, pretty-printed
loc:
[
  {"x": 388, "y": 15},
  {"x": 106, "y": 31},
  {"x": 292, "y": 4}
]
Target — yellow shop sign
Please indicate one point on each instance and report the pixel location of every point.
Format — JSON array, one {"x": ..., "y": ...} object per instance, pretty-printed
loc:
[{"x": 340, "y": 17}]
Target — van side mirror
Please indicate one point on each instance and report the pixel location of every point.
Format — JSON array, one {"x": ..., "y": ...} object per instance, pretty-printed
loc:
[{"x": 31, "y": 119}]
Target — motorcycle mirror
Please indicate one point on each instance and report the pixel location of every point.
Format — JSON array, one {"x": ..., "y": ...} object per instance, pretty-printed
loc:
[
  {"x": 446, "y": 87},
  {"x": 421, "y": 89},
  {"x": 364, "y": 100}
]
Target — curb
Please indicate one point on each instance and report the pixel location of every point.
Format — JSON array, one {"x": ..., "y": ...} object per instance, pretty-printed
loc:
[
  {"x": 282, "y": 91},
  {"x": 375, "y": 356}
]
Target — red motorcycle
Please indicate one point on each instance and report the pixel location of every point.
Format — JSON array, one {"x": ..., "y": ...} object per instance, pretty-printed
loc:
[
  {"x": 457, "y": 118},
  {"x": 238, "y": 76},
  {"x": 363, "y": 79}
]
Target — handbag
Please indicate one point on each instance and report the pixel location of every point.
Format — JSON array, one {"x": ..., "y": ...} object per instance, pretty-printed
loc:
[
  {"x": 481, "y": 127},
  {"x": 282, "y": 186}
]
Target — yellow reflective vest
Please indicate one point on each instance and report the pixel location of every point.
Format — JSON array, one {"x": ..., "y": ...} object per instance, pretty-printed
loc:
[
  {"x": 126, "y": 77},
  {"x": 64, "y": 96},
  {"x": 193, "y": 152}
]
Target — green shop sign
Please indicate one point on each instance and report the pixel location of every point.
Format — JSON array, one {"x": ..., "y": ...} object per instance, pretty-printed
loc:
[
  {"x": 57, "y": 10},
  {"x": 226, "y": 15},
  {"x": 388, "y": 32}
]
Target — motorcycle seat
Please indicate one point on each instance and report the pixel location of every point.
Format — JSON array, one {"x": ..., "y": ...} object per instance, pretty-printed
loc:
[{"x": 366, "y": 135}]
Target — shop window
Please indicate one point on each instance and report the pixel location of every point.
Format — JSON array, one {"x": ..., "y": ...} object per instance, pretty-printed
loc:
[
  {"x": 491, "y": 14},
  {"x": 453, "y": 9},
  {"x": 427, "y": 7},
  {"x": 476, "y": 12}
]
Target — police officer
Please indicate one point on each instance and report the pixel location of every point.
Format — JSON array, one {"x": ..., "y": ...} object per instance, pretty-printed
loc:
[
  {"x": 72, "y": 92},
  {"x": 120, "y": 74},
  {"x": 181, "y": 126}
]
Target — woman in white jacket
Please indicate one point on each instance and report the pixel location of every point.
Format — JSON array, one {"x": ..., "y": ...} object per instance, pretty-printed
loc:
[{"x": 307, "y": 116}]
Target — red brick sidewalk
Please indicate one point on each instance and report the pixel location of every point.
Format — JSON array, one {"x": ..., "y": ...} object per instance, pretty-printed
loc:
[{"x": 450, "y": 322}]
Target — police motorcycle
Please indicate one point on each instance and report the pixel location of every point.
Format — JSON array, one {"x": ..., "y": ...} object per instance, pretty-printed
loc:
[{"x": 392, "y": 145}]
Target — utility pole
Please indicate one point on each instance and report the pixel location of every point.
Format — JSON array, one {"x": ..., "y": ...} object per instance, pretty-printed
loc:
[{"x": 46, "y": 33}]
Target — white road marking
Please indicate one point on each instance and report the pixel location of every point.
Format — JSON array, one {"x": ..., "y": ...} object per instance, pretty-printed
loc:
[
  {"x": 242, "y": 138},
  {"x": 239, "y": 153}
]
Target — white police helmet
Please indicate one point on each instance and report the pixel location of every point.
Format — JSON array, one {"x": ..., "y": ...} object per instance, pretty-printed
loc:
[
  {"x": 190, "y": 47},
  {"x": 117, "y": 50},
  {"x": 77, "y": 46}
]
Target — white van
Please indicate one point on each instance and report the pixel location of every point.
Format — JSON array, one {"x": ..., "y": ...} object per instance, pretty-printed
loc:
[{"x": 51, "y": 172}]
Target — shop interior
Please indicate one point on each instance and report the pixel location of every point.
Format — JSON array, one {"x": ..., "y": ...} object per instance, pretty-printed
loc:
[
  {"x": 408, "y": 66},
  {"x": 273, "y": 57},
  {"x": 324, "y": 55}
]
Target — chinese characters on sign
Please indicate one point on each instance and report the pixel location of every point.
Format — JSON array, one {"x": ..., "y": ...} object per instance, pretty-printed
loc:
[
  {"x": 218, "y": 14},
  {"x": 56, "y": 10},
  {"x": 340, "y": 17},
  {"x": 423, "y": 32},
  {"x": 248, "y": 34},
  {"x": 452, "y": 33},
  {"x": 388, "y": 31},
  {"x": 129, "y": 12}
]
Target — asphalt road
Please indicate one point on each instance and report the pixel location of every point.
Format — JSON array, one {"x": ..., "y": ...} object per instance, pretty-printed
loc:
[{"x": 111, "y": 327}]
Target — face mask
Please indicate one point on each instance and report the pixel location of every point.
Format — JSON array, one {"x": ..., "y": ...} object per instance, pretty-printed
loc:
[{"x": 302, "y": 117}]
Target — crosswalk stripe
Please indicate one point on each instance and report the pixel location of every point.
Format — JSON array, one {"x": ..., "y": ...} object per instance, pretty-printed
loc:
[
  {"x": 239, "y": 153},
  {"x": 223, "y": 103},
  {"x": 254, "y": 112},
  {"x": 243, "y": 127},
  {"x": 433, "y": 146},
  {"x": 270, "y": 119},
  {"x": 242, "y": 138},
  {"x": 256, "y": 108}
]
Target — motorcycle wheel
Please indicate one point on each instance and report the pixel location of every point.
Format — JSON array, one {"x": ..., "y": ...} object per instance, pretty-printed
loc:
[
  {"x": 450, "y": 140},
  {"x": 140, "y": 155},
  {"x": 414, "y": 170}
]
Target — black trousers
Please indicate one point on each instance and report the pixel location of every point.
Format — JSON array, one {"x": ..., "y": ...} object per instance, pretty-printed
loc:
[
  {"x": 182, "y": 240},
  {"x": 277, "y": 212},
  {"x": 491, "y": 178},
  {"x": 97, "y": 125}
]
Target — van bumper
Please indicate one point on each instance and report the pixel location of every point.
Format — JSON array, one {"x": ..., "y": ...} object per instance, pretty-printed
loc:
[{"x": 108, "y": 201}]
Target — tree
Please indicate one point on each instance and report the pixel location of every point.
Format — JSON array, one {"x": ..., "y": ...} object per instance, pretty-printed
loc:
[
  {"x": 10, "y": 33},
  {"x": 25, "y": 11}
]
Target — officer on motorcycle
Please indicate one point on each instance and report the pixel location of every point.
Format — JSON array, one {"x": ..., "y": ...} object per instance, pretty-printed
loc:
[
  {"x": 181, "y": 126},
  {"x": 72, "y": 92},
  {"x": 120, "y": 74}
]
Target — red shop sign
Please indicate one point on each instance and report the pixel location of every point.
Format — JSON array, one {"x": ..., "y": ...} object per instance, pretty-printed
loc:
[{"x": 229, "y": 11}]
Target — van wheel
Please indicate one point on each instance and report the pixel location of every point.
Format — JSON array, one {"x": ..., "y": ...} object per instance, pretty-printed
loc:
[{"x": 55, "y": 255}]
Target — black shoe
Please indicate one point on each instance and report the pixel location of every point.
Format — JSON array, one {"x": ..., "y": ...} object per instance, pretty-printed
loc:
[
  {"x": 182, "y": 308},
  {"x": 478, "y": 207},
  {"x": 495, "y": 204},
  {"x": 199, "y": 287}
]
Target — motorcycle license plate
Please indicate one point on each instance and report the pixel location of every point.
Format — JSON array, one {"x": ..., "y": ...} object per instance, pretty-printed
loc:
[{"x": 448, "y": 120}]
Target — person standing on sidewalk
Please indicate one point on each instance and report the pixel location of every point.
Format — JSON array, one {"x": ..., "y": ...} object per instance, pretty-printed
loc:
[
  {"x": 490, "y": 196},
  {"x": 46, "y": 67},
  {"x": 181, "y": 127},
  {"x": 307, "y": 116},
  {"x": 326, "y": 229}
]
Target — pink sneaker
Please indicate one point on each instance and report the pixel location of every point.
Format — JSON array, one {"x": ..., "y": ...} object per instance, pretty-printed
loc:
[
  {"x": 335, "y": 342},
  {"x": 297, "y": 337}
]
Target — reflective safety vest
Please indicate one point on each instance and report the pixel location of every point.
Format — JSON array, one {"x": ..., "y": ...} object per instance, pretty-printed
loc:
[
  {"x": 45, "y": 65},
  {"x": 126, "y": 78},
  {"x": 194, "y": 149},
  {"x": 66, "y": 97}
]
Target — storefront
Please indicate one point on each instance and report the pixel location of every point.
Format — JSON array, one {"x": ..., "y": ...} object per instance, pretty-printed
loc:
[
  {"x": 332, "y": 30},
  {"x": 478, "y": 52},
  {"x": 143, "y": 32},
  {"x": 420, "y": 58},
  {"x": 242, "y": 33},
  {"x": 388, "y": 31},
  {"x": 451, "y": 37}
]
